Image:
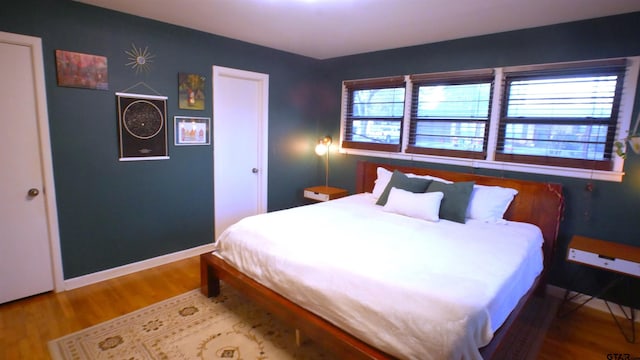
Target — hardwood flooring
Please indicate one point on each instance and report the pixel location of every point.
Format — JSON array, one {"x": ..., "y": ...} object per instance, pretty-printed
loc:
[
  {"x": 588, "y": 334},
  {"x": 27, "y": 325}
]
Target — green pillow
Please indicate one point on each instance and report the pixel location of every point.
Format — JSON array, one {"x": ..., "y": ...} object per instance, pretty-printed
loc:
[
  {"x": 455, "y": 201},
  {"x": 401, "y": 181}
]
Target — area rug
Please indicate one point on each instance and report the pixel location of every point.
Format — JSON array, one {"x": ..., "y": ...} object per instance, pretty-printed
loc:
[{"x": 189, "y": 326}]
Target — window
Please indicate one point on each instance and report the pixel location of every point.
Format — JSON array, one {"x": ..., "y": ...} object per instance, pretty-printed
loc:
[
  {"x": 374, "y": 114},
  {"x": 450, "y": 113},
  {"x": 561, "y": 117}
]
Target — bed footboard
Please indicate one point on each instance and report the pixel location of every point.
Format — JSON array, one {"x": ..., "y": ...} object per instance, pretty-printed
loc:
[{"x": 342, "y": 345}]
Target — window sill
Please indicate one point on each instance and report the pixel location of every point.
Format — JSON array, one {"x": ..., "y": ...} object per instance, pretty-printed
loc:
[{"x": 613, "y": 176}]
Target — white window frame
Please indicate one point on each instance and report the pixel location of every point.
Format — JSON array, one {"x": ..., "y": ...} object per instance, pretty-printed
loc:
[{"x": 615, "y": 174}]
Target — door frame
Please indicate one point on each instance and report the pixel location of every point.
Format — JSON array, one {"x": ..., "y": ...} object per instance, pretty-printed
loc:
[
  {"x": 263, "y": 131},
  {"x": 46, "y": 165}
]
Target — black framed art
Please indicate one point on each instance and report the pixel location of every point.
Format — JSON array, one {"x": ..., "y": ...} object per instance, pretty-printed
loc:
[{"x": 142, "y": 125}]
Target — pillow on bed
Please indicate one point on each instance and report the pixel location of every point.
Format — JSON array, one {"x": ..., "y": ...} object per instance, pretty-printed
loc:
[
  {"x": 403, "y": 182},
  {"x": 456, "y": 199},
  {"x": 489, "y": 203},
  {"x": 424, "y": 206},
  {"x": 429, "y": 177},
  {"x": 381, "y": 182}
]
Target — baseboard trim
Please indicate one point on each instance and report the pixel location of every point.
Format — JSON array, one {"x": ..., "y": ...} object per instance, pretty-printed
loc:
[
  {"x": 596, "y": 304},
  {"x": 93, "y": 278}
]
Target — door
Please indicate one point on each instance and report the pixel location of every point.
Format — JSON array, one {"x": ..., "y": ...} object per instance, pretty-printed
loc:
[
  {"x": 240, "y": 133},
  {"x": 25, "y": 248}
]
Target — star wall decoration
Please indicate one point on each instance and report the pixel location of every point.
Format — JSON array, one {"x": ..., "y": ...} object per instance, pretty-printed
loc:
[{"x": 139, "y": 59}]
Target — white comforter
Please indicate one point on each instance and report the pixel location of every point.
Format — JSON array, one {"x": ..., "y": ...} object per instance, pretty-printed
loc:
[{"x": 412, "y": 288}]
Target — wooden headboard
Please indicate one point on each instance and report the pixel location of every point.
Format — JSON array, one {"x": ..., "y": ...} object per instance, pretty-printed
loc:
[{"x": 536, "y": 203}]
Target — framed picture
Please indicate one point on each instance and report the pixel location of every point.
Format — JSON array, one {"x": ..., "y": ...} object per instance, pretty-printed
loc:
[
  {"x": 190, "y": 130},
  {"x": 142, "y": 126},
  {"x": 81, "y": 70},
  {"x": 191, "y": 91}
]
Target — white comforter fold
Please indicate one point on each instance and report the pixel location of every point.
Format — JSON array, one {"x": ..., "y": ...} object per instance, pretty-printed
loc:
[{"x": 412, "y": 288}]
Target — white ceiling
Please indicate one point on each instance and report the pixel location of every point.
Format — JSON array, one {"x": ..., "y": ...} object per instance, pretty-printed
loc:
[{"x": 325, "y": 29}]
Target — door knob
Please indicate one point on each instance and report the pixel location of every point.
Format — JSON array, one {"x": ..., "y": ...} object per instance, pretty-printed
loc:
[
  {"x": 33, "y": 192},
  {"x": 254, "y": 170}
]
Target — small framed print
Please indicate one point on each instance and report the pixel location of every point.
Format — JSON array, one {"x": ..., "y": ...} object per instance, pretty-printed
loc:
[
  {"x": 191, "y": 130},
  {"x": 191, "y": 91}
]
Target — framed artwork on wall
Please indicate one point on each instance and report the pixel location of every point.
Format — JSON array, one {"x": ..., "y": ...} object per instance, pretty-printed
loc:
[
  {"x": 191, "y": 91},
  {"x": 81, "y": 70},
  {"x": 142, "y": 125},
  {"x": 190, "y": 130}
]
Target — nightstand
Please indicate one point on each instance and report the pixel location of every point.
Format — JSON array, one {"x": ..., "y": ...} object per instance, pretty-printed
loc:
[
  {"x": 324, "y": 193},
  {"x": 620, "y": 259}
]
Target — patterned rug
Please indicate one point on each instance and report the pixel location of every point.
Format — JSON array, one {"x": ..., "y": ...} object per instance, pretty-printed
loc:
[
  {"x": 191, "y": 326},
  {"x": 188, "y": 326}
]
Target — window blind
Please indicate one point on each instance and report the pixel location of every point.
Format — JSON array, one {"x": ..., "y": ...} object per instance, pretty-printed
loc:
[
  {"x": 374, "y": 114},
  {"x": 450, "y": 113},
  {"x": 561, "y": 116}
]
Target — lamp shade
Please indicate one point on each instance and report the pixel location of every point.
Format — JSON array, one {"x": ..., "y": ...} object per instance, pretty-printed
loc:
[
  {"x": 321, "y": 149},
  {"x": 323, "y": 145}
]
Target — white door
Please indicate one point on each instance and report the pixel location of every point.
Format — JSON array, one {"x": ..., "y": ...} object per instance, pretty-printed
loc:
[
  {"x": 25, "y": 248},
  {"x": 240, "y": 134}
]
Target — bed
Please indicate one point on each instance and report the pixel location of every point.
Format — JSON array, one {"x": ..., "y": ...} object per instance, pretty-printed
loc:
[{"x": 342, "y": 270}]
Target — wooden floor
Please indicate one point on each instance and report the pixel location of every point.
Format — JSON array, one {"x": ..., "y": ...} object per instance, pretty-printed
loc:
[{"x": 27, "y": 325}]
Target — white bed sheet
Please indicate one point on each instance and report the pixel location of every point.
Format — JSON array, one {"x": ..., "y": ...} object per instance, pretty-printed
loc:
[{"x": 412, "y": 288}]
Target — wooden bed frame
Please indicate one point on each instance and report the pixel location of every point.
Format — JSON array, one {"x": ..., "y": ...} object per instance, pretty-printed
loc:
[{"x": 537, "y": 203}]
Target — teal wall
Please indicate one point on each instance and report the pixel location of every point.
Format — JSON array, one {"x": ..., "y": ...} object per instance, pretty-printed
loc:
[
  {"x": 609, "y": 212},
  {"x": 114, "y": 213}
]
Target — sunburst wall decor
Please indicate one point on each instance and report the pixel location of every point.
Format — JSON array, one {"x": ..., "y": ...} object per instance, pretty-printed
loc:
[{"x": 139, "y": 59}]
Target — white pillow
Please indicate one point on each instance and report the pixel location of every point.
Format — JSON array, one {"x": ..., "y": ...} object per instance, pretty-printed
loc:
[
  {"x": 384, "y": 176},
  {"x": 489, "y": 203},
  {"x": 424, "y": 206},
  {"x": 429, "y": 177}
]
